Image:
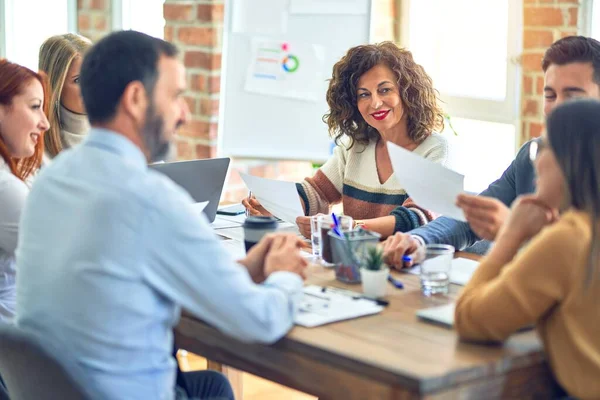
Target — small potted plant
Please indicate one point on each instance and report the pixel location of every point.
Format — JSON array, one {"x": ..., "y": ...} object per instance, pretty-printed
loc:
[{"x": 374, "y": 273}]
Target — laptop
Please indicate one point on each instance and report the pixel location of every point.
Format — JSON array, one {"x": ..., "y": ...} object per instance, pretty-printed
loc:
[{"x": 202, "y": 179}]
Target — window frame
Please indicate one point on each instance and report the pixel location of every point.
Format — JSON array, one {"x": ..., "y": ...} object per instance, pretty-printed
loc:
[
  {"x": 505, "y": 111},
  {"x": 6, "y": 25},
  {"x": 586, "y": 7}
]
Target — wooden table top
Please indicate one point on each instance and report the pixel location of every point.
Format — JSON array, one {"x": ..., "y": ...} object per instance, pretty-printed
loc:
[{"x": 393, "y": 348}]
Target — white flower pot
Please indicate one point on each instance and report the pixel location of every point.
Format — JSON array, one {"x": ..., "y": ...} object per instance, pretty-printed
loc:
[{"x": 374, "y": 283}]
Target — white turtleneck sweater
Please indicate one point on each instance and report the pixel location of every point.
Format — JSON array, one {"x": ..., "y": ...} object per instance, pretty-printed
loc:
[{"x": 74, "y": 128}]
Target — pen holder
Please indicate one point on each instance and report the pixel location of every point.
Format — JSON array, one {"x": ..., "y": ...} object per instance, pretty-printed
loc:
[{"x": 349, "y": 253}]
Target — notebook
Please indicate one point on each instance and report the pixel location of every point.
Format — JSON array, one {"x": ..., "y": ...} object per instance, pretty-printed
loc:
[
  {"x": 319, "y": 308},
  {"x": 460, "y": 273}
]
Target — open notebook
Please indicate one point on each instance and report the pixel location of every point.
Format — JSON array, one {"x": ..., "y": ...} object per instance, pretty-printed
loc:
[{"x": 320, "y": 308}]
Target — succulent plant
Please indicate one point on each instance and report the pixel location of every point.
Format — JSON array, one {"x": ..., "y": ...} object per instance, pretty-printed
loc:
[{"x": 373, "y": 260}]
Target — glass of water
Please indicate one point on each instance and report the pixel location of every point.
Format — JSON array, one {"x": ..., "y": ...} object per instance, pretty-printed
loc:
[
  {"x": 315, "y": 237},
  {"x": 435, "y": 269}
]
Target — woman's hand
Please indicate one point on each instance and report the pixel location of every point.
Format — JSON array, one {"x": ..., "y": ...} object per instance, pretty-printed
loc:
[
  {"x": 254, "y": 207},
  {"x": 528, "y": 215}
]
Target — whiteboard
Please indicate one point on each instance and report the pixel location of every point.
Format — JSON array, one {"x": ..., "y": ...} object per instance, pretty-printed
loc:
[{"x": 259, "y": 125}]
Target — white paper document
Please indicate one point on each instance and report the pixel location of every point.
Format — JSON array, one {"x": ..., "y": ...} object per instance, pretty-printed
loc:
[
  {"x": 280, "y": 198},
  {"x": 235, "y": 248},
  {"x": 462, "y": 270},
  {"x": 356, "y": 7},
  {"x": 320, "y": 308},
  {"x": 260, "y": 17},
  {"x": 460, "y": 273},
  {"x": 223, "y": 223},
  {"x": 286, "y": 69},
  {"x": 430, "y": 185}
]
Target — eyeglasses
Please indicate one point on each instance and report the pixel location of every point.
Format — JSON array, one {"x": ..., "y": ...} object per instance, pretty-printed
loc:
[{"x": 535, "y": 147}]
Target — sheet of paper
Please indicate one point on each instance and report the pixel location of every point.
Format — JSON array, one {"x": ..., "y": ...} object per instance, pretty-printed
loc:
[
  {"x": 461, "y": 272},
  {"x": 286, "y": 69},
  {"x": 260, "y": 17},
  {"x": 280, "y": 198},
  {"x": 222, "y": 223},
  {"x": 199, "y": 207},
  {"x": 235, "y": 248},
  {"x": 430, "y": 185},
  {"x": 356, "y": 7},
  {"x": 319, "y": 308}
]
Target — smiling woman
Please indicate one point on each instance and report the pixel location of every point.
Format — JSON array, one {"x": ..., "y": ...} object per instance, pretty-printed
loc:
[
  {"x": 22, "y": 125},
  {"x": 377, "y": 94}
]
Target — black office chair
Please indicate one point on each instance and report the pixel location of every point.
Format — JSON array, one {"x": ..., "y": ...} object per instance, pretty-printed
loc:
[{"x": 34, "y": 369}]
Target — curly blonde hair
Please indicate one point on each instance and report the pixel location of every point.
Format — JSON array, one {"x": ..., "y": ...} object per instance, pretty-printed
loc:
[{"x": 419, "y": 98}]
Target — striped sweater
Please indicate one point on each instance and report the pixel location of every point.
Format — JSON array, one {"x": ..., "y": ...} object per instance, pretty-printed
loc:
[{"x": 350, "y": 177}]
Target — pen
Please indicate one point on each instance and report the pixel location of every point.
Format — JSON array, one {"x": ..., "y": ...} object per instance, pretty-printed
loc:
[
  {"x": 249, "y": 197},
  {"x": 395, "y": 282},
  {"x": 406, "y": 258}
]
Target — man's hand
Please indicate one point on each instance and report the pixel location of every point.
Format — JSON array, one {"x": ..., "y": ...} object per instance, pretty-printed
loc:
[
  {"x": 485, "y": 215},
  {"x": 284, "y": 255},
  {"x": 399, "y": 245},
  {"x": 267, "y": 249}
]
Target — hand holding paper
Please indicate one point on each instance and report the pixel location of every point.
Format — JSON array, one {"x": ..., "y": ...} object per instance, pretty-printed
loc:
[
  {"x": 280, "y": 198},
  {"x": 430, "y": 185}
]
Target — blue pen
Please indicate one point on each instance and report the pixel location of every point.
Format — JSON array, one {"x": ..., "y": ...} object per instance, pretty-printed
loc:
[
  {"x": 406, "y": 258},
  {"x": 395, "y": 282},
  {"x": 336, "y": 225}
]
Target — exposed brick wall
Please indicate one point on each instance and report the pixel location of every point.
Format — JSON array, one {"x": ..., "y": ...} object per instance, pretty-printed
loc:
[
  {"x": 544, "y": 21},
  {"x": 196, "y": 28},
  {"x": 94, "y": 18}
]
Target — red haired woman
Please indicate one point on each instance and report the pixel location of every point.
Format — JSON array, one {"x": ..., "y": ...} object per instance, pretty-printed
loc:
[{"x": 22, "y": 125}]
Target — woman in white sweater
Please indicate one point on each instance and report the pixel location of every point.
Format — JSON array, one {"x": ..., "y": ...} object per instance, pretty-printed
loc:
[
  {"x": 60, "y": 58},
  {"x": 377, "y": 94},
  {"x": 22, "y": 125}
]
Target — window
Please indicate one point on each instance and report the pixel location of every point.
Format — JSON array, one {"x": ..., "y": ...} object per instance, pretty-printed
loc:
[
  {"x": 596, "y": 19},
  {"x": 140, "y": 15},
  {"x": 22, "y": 31},
  {"x": 469, "y": 48}
]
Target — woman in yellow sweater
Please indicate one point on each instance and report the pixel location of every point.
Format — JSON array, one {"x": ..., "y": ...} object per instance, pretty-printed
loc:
[{"x": 555, "y": 280}]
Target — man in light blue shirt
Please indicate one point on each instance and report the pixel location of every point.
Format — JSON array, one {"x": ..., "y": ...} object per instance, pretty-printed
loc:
[{"x": 109, "y": 251}]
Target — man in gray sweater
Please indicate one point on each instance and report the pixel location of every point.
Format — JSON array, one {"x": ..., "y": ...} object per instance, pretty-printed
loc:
[{"x": 571, "y": 70}]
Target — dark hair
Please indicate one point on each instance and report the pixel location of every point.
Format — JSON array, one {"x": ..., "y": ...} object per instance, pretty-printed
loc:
[
  {"x": 573, "y": 49},
  {"x": 13, "y": 79},
  {"x": 574, "y": 136},
  {"x": 115, "y": 61},
  {"x": 419, "y": 98}
]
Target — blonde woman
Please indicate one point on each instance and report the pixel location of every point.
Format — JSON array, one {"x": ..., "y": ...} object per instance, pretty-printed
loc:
[{"x": 60, "y": 58}]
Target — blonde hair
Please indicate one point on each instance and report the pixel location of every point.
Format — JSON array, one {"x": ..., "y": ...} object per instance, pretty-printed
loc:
[{"x": 56, "y": 55}]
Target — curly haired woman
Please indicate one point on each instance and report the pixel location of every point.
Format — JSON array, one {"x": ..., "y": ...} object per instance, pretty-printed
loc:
[{"x": 377, "y": 94}]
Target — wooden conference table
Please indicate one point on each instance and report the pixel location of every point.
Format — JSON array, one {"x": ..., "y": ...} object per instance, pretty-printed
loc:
[{"x": 391, "y": 355}]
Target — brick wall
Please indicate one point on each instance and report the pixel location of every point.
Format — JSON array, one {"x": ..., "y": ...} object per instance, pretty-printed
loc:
[
  {"x": 544, "y": 21},
  {"x": 94, "y": 18}
]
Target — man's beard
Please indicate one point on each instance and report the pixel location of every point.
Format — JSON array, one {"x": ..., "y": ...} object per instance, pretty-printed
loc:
[{"x": 157, "y": 146}]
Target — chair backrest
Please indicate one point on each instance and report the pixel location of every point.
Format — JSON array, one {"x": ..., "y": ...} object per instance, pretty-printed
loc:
[{"x": 34, "y": 369}]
